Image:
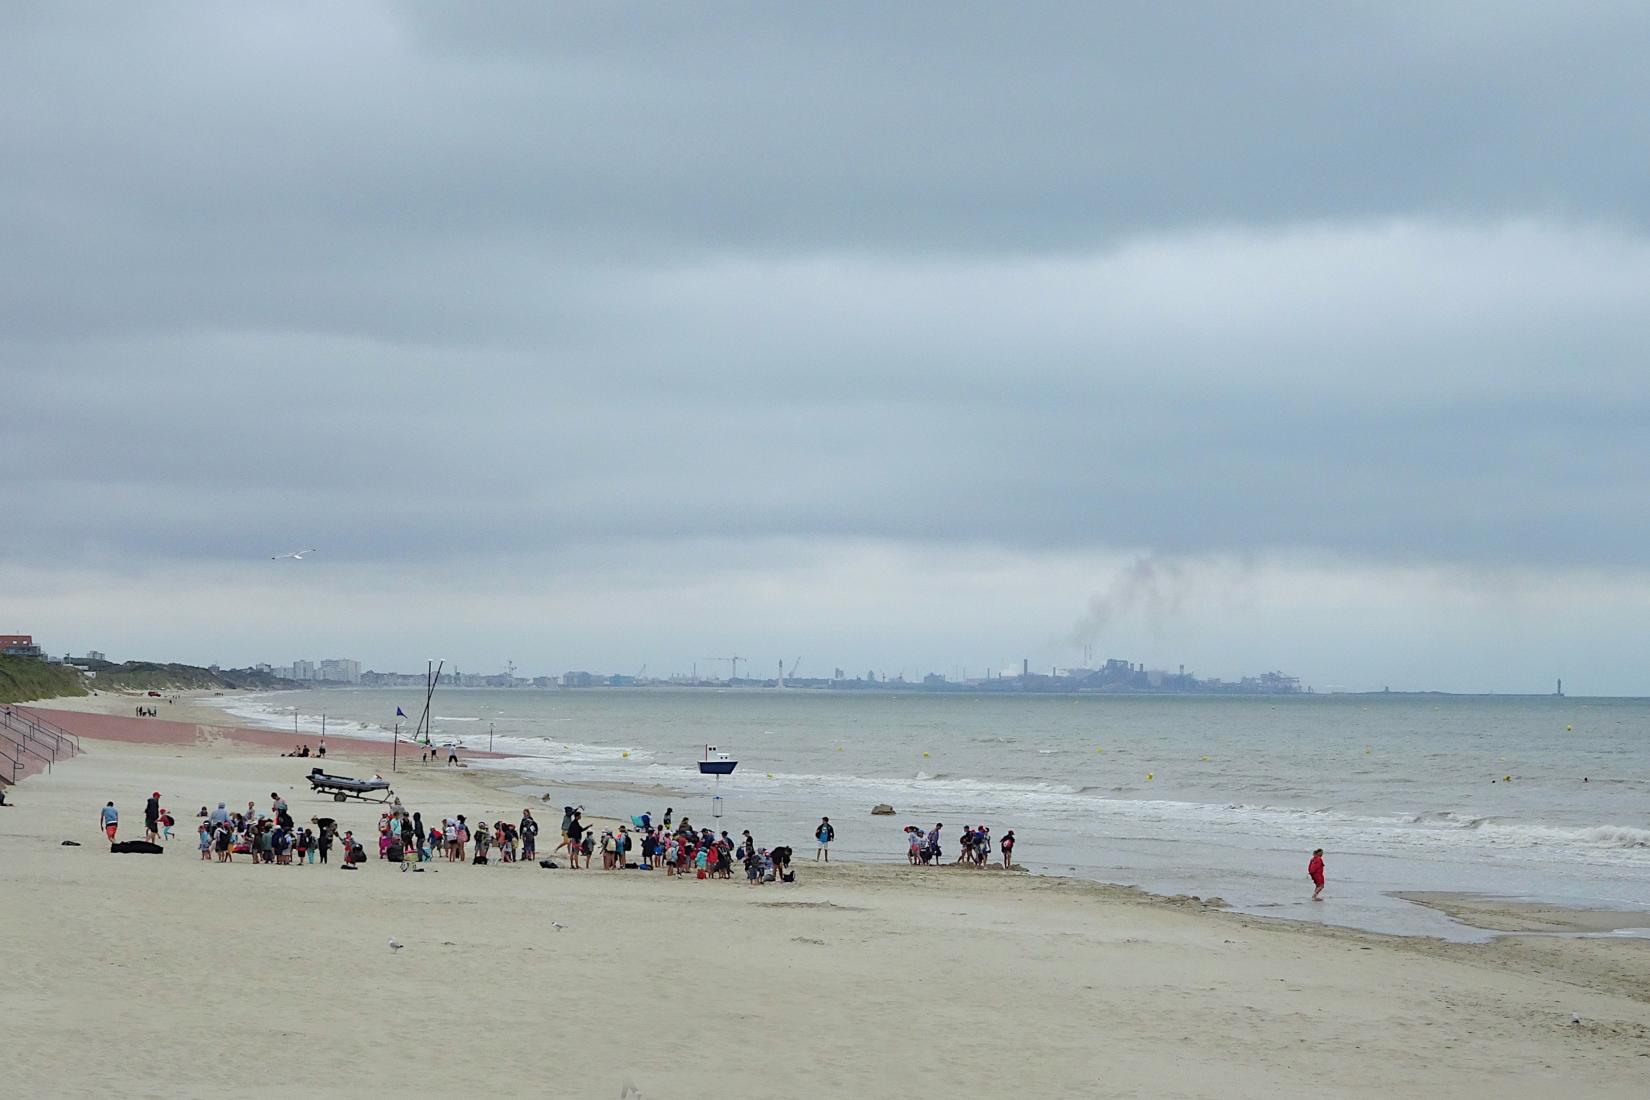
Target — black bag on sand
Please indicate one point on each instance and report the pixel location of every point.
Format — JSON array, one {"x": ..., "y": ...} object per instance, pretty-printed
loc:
[
  {"x": 144, "y": 846},
  {"x": 396, "y": 853},
  {"x": 548, "y": 864},
  {"x": 479, "y": 859},
  {"x": 348, "y": 867}
]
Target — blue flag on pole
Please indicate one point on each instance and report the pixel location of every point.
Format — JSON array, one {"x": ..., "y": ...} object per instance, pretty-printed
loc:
[{"x": 399, "y": 713}]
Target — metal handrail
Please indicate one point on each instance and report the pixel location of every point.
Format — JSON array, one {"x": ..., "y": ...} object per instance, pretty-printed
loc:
[
  {"x": 58, "y": 732},
  {"x": 34, "y": 728},
  {"x": 16, "y": 764},
  {"x": 24, "y": 739},
  {"x": 22, "y": 744}
]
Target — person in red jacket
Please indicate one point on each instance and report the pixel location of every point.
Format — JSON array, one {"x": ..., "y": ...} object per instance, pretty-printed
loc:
[{"x": 1314, "y": 871}]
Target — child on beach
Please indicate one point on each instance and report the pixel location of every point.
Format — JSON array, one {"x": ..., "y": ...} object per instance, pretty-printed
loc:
[
  {"x": 1007, "y": 846},
  {"x": 206, "y": 840},
  {"x": 1314, "y": 871}
]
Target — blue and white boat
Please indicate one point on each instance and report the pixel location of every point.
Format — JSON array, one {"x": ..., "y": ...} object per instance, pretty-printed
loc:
[{"x": 717, "y": 763}]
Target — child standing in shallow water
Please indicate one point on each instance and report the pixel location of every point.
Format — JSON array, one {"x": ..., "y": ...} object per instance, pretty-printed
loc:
[{"x": 1314, "y": 871}]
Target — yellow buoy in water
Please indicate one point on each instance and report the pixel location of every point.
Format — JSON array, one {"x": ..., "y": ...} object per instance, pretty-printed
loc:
[
  {"x": 1148, "y": 776},
  {"x": 627, "y": 754},
  {"x": 1567, "y": 729},
  {"x": 839, "y": 748},
  {"x": 1366, "y": 748},
  {"x": 925, "y": 754},
  {"x": 770, "y": 775},
  {"x": 1205, "y": 759},
  {"x": 1506, "y": 779}
]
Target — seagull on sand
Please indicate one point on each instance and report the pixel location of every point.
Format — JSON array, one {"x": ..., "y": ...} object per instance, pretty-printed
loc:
[
  {"x": 294, "y": 555},
  {"x": 557, "y": 925},
  {"x": 395, "y": 944},
  {"x": 629, "y": 1089}
]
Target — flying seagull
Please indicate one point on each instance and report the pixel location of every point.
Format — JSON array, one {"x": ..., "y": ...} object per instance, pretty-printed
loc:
[{"x": 295, "y": 555}]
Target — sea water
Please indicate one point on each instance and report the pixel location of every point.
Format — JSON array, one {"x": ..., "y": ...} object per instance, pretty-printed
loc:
[{"x": 1533, "y": 797}]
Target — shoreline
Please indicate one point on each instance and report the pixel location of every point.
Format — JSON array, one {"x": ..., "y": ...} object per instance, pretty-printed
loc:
[
  {"x": 1481, "y": 917},
  {"x": 1482, "y": 912}
]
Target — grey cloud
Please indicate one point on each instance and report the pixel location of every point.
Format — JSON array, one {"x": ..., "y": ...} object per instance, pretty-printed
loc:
[
  {"x": 433, "y": 285},
  {"x": 1412, "y": 390}
]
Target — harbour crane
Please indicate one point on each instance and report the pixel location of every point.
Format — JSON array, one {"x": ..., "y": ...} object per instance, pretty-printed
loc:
[{"x": 733, "y": 665}]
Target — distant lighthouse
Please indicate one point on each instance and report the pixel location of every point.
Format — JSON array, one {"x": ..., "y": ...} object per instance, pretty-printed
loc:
[{"x": 1559, "y": 691}]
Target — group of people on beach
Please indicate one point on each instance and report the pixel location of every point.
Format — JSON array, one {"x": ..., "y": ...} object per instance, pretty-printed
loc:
[
  {"x": 679, "y": 850},
  {"x": 271, "y": 837},
  {"x": 454, "y": 838},
  {"x": 923, "y": 848}
]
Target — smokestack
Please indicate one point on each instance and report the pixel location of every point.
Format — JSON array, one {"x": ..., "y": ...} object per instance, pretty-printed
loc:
[{"x": 1025, "y": 666}]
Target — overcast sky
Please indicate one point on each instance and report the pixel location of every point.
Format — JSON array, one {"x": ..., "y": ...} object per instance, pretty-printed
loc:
[{"x": 886, "y": 336}]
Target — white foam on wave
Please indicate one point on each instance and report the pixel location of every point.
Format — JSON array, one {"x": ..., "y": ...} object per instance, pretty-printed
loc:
[{"x": 1066, "y": 806}]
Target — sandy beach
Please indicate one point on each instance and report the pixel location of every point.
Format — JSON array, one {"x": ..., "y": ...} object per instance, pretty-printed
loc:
[{"x": 167, "y": 976}]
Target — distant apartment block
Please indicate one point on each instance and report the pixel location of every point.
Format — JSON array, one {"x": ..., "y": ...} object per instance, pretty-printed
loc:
[
  {"x": 333, "y": 670},
  {"x": 340, "y": 670}
]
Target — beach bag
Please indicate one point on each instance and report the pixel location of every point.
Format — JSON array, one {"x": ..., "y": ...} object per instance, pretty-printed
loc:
[{"x": 700, "y": 873}]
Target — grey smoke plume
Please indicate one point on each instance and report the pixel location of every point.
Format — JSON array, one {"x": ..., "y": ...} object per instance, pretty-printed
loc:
[{"x": 1151, "y": 585}]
